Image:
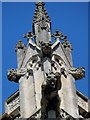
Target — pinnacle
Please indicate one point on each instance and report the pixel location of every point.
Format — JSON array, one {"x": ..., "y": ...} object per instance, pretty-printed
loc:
[
  {"x": 40, "y": 3},
  {"x": 40, "y": 12}
]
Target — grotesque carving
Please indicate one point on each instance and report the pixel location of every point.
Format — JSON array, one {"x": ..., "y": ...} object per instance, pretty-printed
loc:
[
  {"x": 46, "y": 49},
  {"x": 50, "y": 98},
  {"x": 77, "y": 73},
  {"x": 15, "y": 74}
]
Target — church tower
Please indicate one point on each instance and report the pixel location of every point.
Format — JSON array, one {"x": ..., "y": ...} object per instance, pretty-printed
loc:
[{"x": 45, "y": 75}]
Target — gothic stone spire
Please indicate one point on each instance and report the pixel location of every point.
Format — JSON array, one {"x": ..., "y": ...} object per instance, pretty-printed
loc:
[
  {"x": 40, "y": 13},
  {"x": 41, "y": 24},
  {"x": 42, "y": 62}
]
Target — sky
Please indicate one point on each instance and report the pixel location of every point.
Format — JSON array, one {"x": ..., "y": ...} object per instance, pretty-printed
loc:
[
  {"x": 0, "y": 57},
  {"x": 45, "y": 0},
  {"x": 69, "y": 18}
]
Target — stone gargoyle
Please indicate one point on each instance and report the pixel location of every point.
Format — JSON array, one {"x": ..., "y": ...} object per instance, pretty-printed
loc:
[{"x": 50, "y": 98}]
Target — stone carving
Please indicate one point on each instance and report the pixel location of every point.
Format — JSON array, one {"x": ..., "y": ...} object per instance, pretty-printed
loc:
[
  {"x": 66, "y": 44},
  {"x": 59, "y": 35},
  {"x": 46, "y": 49},
  {"x": 14, "y": 104},
  {"x": 29, "y": 35},
  {"x": 40, "y": 4},
  {"x": 66, "y": 116},
  {"x": 77, "y": 73},
  {"x": 40, "y": 12},
  {"x": 43, "y": 25},
  {"x": 45, "y": 56},
  {"x": 50, "y": 98},
  {"x": 20, "y": 45},
  {"x": 15, "y": 74}
]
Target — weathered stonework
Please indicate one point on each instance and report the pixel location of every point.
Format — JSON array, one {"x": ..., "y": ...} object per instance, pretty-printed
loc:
[
  {"x": 36, "y": 62},
  {"x": 83, "y": 106}
]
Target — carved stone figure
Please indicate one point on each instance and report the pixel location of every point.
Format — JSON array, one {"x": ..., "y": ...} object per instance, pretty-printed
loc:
[
  {"x": 77, "y": 73},
  {"x": 15, "y": 74},
  {"x": 50, "y": 98},
  {"x": 46, "y": 49},
  {"x": 44, "y": 55}
]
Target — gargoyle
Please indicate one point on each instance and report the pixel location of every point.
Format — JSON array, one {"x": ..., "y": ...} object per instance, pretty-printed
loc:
[
  {"x": 50, "y": 98},
  {"x": 12, "y": 75},
  {"x": 15, "y": 74},
  {"x": 77, "y": 73},
  {"x": 46, "y": 49}
]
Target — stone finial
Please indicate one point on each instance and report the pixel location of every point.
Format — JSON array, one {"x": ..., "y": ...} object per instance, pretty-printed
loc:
[
  {"x": 57, "y": 34},
  {"x": 40, "y": 12},
  {"x": 19, "y": 45},
  {"x": 40, "y": 4},
  {"x": 67, "y": 44},
  {"x": 63, "y": 37},
  {"x": 29, "y": 35}
]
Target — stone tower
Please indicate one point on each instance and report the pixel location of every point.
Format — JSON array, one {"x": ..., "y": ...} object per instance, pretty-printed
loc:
[{"x": 45, "y": 64}]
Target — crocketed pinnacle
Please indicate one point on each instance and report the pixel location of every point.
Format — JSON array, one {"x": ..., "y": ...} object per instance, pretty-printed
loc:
[{"x": 40, "y": 13}]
